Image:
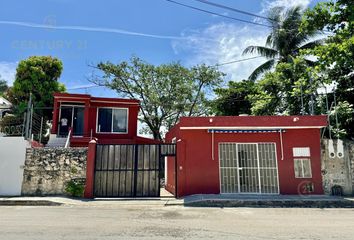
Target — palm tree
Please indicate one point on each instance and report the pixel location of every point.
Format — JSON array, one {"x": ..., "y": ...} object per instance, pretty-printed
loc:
[{"x": 284, "y": 42}]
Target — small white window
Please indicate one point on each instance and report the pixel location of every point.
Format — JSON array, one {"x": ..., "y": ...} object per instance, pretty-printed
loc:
[
  {"x": 302, "y": 167},
  {"x": 301, "y": 152}
]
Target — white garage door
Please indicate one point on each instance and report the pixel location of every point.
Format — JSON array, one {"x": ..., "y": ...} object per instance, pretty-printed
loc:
[
  {"x": 248, "y": 168},
  {"x": 12, "y": 157}
]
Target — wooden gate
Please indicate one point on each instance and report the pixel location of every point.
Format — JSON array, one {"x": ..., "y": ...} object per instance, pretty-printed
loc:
[{"x": 130, "y": 170}]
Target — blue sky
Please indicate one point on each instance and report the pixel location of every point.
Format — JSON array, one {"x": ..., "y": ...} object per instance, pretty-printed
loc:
[{"x": 181, "y": 34}]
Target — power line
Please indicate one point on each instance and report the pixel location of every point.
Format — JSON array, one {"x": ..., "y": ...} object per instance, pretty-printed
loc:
[
  {"x": 217, "y": 14},
  {"x": 233, "y": 9},
  {"x": 236, "y": 61}
]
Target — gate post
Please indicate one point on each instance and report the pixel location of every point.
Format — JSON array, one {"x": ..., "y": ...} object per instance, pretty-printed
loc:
[{"x": 90, "y": 169}]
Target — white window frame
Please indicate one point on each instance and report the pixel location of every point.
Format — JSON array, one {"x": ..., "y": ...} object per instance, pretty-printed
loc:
[
  {"x": 97, "y": 127},
  {"x": 302, "y": 167}
]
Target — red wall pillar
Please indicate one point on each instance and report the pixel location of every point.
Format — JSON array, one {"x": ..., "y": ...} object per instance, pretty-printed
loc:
[
  {"x": 55, "y": 117},
  {"x": 180, "y": 184},
  {"x": 87, "y": 130},
  {"x": 90, "y": 169}
]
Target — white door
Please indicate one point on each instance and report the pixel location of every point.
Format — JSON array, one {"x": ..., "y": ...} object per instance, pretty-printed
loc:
[
  {"x": 248, "y": 168},
  {"x": 12, "y": 158}
]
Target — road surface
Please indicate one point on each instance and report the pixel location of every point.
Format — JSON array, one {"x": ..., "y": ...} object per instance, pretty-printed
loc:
[{"x": 155, "y": 221}]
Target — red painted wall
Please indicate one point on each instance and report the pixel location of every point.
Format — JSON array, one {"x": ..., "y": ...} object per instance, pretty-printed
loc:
[
  {"x": 197, "y": 173},
  {"x": 90, "y": 119}
]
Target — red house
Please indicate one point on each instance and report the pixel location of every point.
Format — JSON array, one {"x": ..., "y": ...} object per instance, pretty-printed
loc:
[
  {"x": 109, "y": 120},
  {"x": 246, "y": 154}
]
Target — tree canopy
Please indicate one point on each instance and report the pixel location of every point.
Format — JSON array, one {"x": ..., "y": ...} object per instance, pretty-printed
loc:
[
  {"x": 37, "y": 75},
  {"x": 3, "y": 86},
  {"x": 284, "y": 41},
  {"x": 234, "y": 100},
  {"x": 167, "y": 92},
  {"x": 296, "y": 85},
  {"x": 335, "y": 58}
]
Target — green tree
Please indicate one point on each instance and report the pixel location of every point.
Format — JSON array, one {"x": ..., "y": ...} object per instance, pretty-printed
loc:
[
  {"x": 167, "y": 92},
  {"x": 286, "y": 91},
  {"x": 233, "y": 100},
  {"x": 3, "y": 86},
  {"x": 37, "y": 75},
  {"x": 335, "y": 59},
  {"x": 285, "y": 40}
]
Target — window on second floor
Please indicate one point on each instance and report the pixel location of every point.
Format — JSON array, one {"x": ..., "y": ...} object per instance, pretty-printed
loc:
[{"x": 112, "y": 120}]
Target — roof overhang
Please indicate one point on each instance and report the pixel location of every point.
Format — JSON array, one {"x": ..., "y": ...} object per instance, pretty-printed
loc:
[{"x": 251, "y": 128}]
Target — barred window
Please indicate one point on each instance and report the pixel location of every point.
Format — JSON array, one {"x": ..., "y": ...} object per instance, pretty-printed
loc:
[{"x": 302, "y": 167}]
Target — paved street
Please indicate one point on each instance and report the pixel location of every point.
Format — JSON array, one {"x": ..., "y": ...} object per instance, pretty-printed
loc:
[{"x": 155, "y": 221}]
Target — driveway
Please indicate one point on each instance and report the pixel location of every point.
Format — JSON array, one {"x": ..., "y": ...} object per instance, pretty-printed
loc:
[{"x": 155, "y": 221}]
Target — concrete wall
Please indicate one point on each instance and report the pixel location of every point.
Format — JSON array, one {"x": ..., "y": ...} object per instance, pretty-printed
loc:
[
  {"x": 338, "y": 171},
  {"x": 47, "y": 170},
  {"x": 12, "y": 158}
]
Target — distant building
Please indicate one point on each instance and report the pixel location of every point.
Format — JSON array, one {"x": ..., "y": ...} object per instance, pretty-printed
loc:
[{"x": 5, "y": 107}]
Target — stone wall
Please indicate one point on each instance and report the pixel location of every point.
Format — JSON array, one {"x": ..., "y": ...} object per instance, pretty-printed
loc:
[
  {"x": 47, "y": 170},
  {"x": 338, "y": 171}
]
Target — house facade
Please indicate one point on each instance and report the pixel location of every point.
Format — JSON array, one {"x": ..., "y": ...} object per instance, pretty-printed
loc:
[
  {"x": 5, "y": 107},
  {"x": 108, "y": 120},
  {"x": 246, "y": 154}
]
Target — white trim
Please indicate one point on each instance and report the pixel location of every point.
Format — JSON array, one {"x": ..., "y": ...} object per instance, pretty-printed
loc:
[
  {"x": 86, "y": 97},
  {"x": 212, "y": 145},
  {"x": 281, "y": 145},
  {"x": 250, "y": 128},
  {"x": 276, "y": 164},
  {"x": 258, "y": 171},
  {"x": 97, "y": 127},
  {"x": 127, "y": 103}
]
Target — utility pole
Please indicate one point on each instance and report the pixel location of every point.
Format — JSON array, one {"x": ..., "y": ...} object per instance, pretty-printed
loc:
[
  {"x": 302, "y": 101},
  {"x": 312, "y": 110},
  {"x": 28, "y": 118}
]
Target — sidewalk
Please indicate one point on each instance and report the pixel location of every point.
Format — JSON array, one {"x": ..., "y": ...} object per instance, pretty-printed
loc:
[
  {"x": 207, "y": 200},
  {"x": 255, "y": 200},
  {"x": 58, "y": 201}
]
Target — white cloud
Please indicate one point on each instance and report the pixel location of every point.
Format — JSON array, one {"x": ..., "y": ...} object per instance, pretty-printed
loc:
[
  {"x": 268, "y": 4},
  {"x": 225, "y": 42},
  {"x": 8, "y": 71},
  {"x": 220, "y": 43}
]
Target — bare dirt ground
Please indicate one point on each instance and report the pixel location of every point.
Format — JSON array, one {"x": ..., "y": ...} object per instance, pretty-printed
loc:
[{"x": 155, "y": 221}]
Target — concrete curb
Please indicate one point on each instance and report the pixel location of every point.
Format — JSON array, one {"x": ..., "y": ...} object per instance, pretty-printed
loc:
[
  {"x": 29, "y": 203},
  {"x": 342, "y": 203}
]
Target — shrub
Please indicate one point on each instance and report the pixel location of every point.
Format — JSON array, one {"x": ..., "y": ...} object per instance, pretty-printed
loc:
[{"x": 75, "y": 187}]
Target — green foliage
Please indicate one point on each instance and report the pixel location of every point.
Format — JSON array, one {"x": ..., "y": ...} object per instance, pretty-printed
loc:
[
  {"x": 37, "y": 75},
  {"x": 285, "y": 91},
  {"x": 3, "y": 87},
  {"x": 285, "y": 40},
  {"x": 167, "y": 92},
  {"x": 233, "y": 100},
  {"x": 344, "y": 112},
  {"x": 75, "y": 187},
  {"x": 335, "y": 59}
]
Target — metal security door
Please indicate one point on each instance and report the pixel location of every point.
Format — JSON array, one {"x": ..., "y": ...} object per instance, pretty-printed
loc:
[
  {"x": 248, "y": 168},
  {"x": 130, "y": 170}
]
